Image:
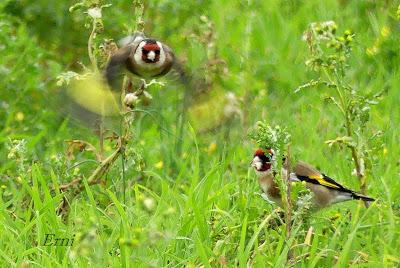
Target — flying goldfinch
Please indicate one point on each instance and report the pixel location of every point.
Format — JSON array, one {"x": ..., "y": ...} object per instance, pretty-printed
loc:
[
  {"x": 262, "y": 163},
  {"x": 326, "y": 191},
  {"x": 142, "y": 56}
]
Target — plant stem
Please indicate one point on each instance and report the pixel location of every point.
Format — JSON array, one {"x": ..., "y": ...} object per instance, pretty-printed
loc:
[
  {"x": 349, "y": 132},
  {"x": 92, "y": 57},
  {"x": 123, "y": 156},
  {"x": 288, "y": 202},
  {"x": 124, "y": 128}
]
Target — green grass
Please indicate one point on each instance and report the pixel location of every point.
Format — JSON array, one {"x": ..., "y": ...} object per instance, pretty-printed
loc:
[{"x": 200, "y": 207}]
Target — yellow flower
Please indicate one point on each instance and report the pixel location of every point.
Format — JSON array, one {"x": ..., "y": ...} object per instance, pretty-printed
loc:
[
  {"x": 385, "y": 31},
  {"x": 159, "y": 165},
  {"x": 138, "y": 230},
  {"x": 149, "y": 203},
  {"x": 371, "y": 51},
  {"x": 19, "y": 116},
  {"x": 211, "y": 148}
]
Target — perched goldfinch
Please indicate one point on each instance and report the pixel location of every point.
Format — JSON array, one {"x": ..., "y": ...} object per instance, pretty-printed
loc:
[
  {"x": 262, "y": 163},
  {"x": 326, "y": 191}
]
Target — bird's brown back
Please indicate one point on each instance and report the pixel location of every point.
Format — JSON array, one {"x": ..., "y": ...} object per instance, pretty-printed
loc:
[{"x": 306, "y": 170}]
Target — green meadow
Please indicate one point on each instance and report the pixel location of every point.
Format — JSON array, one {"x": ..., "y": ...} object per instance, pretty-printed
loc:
[{"x": 180, "y": 191}]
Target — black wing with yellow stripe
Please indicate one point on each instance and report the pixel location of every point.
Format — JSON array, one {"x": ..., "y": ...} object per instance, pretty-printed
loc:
[
  {"x": 308, "y": 173},
  {"x": 324, "y": 181}
]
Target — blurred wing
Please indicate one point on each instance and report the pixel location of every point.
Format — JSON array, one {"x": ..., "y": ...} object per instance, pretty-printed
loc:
[
  {"x": 116, "y": 64},
  {"x": 133, "y": 38},
  {"x": 94, "y": 95}
]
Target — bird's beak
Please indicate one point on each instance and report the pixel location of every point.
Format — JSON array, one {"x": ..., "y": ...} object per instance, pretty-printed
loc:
[{"x": 152, "y": 55}]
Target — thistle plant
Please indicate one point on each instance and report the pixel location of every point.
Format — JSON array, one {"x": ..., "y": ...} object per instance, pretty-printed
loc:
[
  {"x": 89, "y": 90},
  {"x": 329, "y": 59},
  {"x": 17, "y": 151},
  {"x": 278, "y": 139}
]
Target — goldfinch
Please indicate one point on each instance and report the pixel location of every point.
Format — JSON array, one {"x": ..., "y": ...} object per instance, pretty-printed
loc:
[
  {"x": 325, "y": 190},
  {"x": 142, "y": 56},
  {"x": 262, "y": 163}
]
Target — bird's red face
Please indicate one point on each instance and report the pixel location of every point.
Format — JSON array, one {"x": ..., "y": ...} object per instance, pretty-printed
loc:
[
  {"x": 151, "y": 51},
  {"x": 262, "y": 160}
]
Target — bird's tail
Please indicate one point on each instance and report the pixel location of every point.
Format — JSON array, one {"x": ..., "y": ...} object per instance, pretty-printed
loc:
[{"x": 362, "y": 197}]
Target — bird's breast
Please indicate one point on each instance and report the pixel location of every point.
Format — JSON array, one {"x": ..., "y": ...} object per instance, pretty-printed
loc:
[{"x": 269, "y": 187}]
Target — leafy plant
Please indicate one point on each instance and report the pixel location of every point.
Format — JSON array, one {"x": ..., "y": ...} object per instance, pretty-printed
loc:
[
  {"x": 278, "y": 139},
  {"x": 89, "y": 90},
  {"x": 329, "y": 58},
  {"x": 274, "y": 137}
]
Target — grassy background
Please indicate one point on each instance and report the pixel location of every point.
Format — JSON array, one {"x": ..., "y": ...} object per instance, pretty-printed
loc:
[{"x": 200, "y": 205}]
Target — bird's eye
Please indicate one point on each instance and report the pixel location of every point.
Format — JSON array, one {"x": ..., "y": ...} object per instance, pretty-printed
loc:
[
  {"x": 145, "y": 51},
  {"x": 157, "y": 52},
  {"x": 265, "y": 158}
]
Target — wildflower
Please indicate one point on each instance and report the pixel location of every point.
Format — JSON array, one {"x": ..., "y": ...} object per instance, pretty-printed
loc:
[
  {"x": 76, "y": 171},
  {"x": 159, "y": 165},
  {"x": 149, "y": 203},
  {"x": 129, "y": 242},
  {"x": 385, "y": 151},
  {"x": 17, "y": 149},
  {"x": 169, "y": 211},
  {"x": 398, "y": 12},
  {"x": 371, "y": 51},
  {"x": 138, "y": 231},
  {"x": 385, "y": 31},
  {"x": 19, "y": 116},
  {"x": 211, "y": 148}
]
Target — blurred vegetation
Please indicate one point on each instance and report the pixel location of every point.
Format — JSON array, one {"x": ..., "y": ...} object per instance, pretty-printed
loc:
[{"x": 191, "y": 199}]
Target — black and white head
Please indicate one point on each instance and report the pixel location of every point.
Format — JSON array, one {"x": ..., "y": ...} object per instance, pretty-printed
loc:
[
  {"x": 262, "y": 161},
  {"x": 150, "y": 53}
]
